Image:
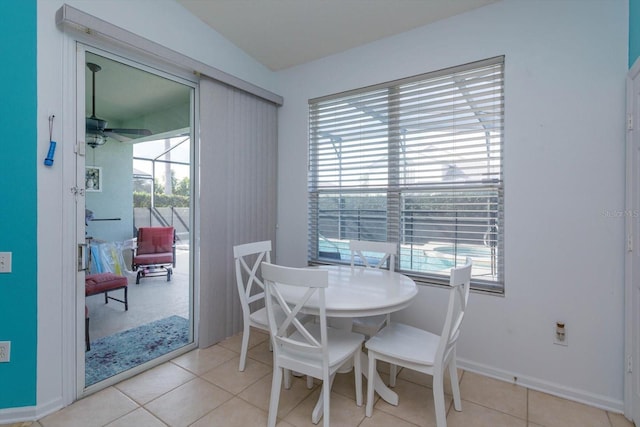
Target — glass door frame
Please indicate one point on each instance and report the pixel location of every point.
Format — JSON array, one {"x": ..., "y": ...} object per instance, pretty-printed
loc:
[{"x": 164, "y": 71}]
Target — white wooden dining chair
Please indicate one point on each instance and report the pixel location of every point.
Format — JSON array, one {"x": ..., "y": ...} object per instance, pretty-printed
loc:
[
  {"x": 247, "y": 262},
  {"x": 372, "y": 255},
  {"x": 314, "y": 348},
  {"x": 423, "y": 351}
]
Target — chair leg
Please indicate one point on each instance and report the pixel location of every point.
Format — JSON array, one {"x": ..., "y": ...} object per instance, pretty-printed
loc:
[
  {"x": 357, "y": 370},
  {"x": 370, "y": 375},
  {"x": 276, "y": 383},
  {"x": 287, "y": 379},
  {"x": 309, "y": 382},
  {"x": 393, "y": 373},
  {"x": 438, "y": 398},
  {"x": 455, "y": 386},
  {"x": 126, "y": 299},
  {"x": 86, "y": 335},
  {"x": 326, "y": 393},
  {"x": 245, "y": 346}
]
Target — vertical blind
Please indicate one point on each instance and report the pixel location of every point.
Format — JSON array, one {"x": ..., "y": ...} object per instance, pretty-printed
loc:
[
  {"x": 238, "y": 178},
  {"x": 416, "y": 161}
]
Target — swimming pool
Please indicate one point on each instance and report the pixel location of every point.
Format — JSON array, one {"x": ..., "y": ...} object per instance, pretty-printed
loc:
[
  {"x": 464, "y": 251},
  {"x": 412, "y": 257}
]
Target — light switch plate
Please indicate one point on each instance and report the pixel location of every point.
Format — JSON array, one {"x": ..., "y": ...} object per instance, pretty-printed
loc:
[
  {"x": 5, "y": 351},
  {"x": 5, "y": 262}
]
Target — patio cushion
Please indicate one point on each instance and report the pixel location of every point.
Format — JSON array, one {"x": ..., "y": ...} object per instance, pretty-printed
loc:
[
  {"x": 103, "y": 282},
  {"x": 155, "y": 258}
]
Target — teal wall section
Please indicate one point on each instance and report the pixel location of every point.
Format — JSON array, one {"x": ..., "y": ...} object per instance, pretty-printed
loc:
[
  {"x": 634, "y": 31},
  {"x": 18, "y": 200}
]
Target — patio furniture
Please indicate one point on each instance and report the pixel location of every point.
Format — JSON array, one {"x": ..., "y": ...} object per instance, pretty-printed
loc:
[
  {"x": 155, "y": 252},
  {"x": 103, "y": 283}
]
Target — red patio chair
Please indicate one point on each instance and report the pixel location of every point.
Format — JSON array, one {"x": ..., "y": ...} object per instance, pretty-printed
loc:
[{"x": 155, "y": 252}]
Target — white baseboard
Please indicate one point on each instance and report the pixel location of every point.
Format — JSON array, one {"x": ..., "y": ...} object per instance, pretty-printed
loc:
[
  {"x": 29, "y": 413},
  {"x": 598, "y": 401},
  {"x": 14, "y": 415}
]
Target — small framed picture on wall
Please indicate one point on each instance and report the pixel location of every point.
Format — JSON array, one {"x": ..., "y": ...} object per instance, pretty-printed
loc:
[{"x": 93, "y": 178}]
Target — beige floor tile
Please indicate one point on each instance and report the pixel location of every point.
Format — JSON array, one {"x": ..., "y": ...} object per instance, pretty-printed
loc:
[
  {"x": 345, "y": 385},
  {"x": 503, "y": 396},
  {"x": 261, "y": 353},
  {"x": 259, "y": 393},
  {"x": 473, "y": 415},
  {"x": 233, "y": 413},
  {"x": 228, "y": 377},
  {"x": 139, "y": 418},
  {"x": 96, "y": 410},
  {"x": 187, "y": 403},
  {"x": 425, "y": 379},
  {"x": 343, "y": 411},
  {"x": 202, "y": 360},
  {"x": 415, "y": 404},
  {"x": 382, "y": 419},
  {"x": 22, "y": 424},
  {"x": 234, "y": 343},
  {"x": 151, "y": 384},
  {"x": 173, "y": 395},
  {"x": 552, "y": 411},
  {"x": 618, "y": 420}
]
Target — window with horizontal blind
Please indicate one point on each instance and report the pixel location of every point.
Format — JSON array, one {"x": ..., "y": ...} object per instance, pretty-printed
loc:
[{"x": 417, "y": 161}]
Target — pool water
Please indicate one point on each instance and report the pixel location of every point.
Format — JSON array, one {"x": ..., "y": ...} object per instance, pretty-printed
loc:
[
  {"x": 465, "y": 251},
  {"x": 410, "y": 258}
]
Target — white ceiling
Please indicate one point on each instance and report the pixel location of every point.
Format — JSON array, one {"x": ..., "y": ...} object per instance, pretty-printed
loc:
[{"x": 285, "y": 33}]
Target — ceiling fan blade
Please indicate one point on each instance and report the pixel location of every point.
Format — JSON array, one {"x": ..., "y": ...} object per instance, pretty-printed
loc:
[
  {"x": 135, "y": 132},
  {"x": 118, "y": 137}
]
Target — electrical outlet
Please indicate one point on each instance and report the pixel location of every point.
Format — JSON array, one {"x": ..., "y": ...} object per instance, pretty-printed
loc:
[
  {"x": 5, "y": 262},
  {"x": 5, "y": 351},
  {"x": 560, "y": 336}
]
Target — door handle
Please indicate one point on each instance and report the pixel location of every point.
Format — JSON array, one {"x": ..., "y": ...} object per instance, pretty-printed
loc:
[{"x": 82, "y": 257}]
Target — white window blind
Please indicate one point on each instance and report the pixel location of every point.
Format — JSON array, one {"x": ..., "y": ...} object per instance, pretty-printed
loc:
[{"x": 416, "y": 161}]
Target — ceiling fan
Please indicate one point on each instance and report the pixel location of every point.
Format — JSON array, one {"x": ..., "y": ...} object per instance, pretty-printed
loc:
[{"x": 96, "y": 128}]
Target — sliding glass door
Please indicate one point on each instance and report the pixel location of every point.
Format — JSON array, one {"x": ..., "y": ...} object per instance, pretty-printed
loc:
[{"x": 137, "y": 173}]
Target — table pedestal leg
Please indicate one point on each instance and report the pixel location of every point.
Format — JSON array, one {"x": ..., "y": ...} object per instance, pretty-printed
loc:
[
  {"x": 319, "y": 408},
  {"x": 379, "y": 386}
]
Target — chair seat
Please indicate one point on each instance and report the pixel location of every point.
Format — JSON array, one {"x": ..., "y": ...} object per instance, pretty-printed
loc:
[
  {"x": 406, "y": 343},
  {"x": 341, "y": 345},
  {"x": 368, "y": 326},
  {"x": 159, "y": 258},
  {"x": 103, "y": 282}
]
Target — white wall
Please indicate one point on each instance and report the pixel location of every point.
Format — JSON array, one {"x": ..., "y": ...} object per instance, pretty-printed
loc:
[
  {"x": 566, "y": 62},
  {"x": 116, "y": 198},
  {"x": 163, "y": 21}
]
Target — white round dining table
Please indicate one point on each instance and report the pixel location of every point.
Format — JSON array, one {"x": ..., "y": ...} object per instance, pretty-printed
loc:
[{"x": 360, "y": 292}]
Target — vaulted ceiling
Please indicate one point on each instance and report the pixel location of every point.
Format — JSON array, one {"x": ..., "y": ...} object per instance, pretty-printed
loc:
[{"x": 285, "y": 33}]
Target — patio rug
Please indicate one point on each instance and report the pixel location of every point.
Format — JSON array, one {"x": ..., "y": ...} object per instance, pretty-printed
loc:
[{"x": 117, "y": 353}]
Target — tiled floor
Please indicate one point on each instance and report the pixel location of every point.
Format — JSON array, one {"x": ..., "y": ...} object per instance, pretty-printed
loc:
[{"x": 203, "y": 388}]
